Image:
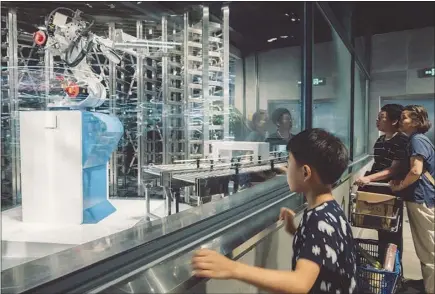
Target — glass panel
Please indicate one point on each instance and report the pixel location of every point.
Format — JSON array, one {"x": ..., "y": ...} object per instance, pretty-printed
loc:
[
  {"x": 147, "y": 121},
  {"x": 331, "y": 80},
  {"x": 360, "y": 123},
  {"x": 343, "y": 11}
]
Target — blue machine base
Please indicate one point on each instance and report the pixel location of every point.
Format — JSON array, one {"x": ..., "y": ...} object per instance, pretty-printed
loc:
[{"x": 96, "y": 213}]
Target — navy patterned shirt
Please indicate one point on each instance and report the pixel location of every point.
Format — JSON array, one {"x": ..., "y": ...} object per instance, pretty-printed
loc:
[{"x": 325, "y": 237}]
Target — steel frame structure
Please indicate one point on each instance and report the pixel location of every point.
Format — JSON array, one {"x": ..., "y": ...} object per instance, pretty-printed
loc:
[{"x": 152, "y": 95}]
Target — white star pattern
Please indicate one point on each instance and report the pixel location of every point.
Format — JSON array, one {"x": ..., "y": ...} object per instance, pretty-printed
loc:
[
  {"x": 332, "y": 217},
  {"x": 316, "y": 250},
  {"x": 335, "y": 256},
  {"x": 343, "y": 226},
  {"x": 321, "y": 207},
  {"x": 325, "y": 228},
  {"x": 330, "y": 253},
  {"x": 352, "y": 285}
]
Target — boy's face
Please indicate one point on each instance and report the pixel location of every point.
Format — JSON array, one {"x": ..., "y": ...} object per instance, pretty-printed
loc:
[
  {"x": 296, "y": 175},
  {"x": 384, "y": 124}
]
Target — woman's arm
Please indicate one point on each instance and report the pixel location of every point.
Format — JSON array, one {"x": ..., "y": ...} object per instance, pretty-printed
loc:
[{"x": 417, "y": 164}]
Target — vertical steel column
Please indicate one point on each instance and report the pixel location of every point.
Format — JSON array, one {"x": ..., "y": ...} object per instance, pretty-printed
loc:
[
  {"x": 48, "y": 73},
  {"x": 113, "y": 163},
  {"x": 307, "y": 70},
  {"x": 352, "y": 109},
  {"x": 165, "y": 94},
  {"x": 226, "y": 74},
  {"x": 186, "y": 109},
  {"x": 366, "y": 116},
  {"x": 140, "y": 113},
  {"x": 205, "y": 77},
  {"x": 14, "y": 103},
  {"x": 257, "y": 82},
  {"x": 352, "y": 98},
  {"x": 244, "y": 88}
]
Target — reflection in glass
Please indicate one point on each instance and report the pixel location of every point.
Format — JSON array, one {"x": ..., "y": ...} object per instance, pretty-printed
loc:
[{"x": 331, "y": 62}]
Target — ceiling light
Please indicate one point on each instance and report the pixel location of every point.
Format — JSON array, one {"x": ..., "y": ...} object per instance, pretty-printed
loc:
[
  {"x": 283, "y": 37},
  {"x": 293, "y": 19},
  {"x": 287, "y": 14},
  {"x": 111, "y": 6},
  {"x": 139, "y": 2},
  {"x": 272, "y": 40},
  {"x": 88, "y": 5}
]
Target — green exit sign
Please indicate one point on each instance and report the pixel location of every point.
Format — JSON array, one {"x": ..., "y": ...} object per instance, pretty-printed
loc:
[
  {"x": 317, "y": 82},
  {"x": 426, "y": 72}
]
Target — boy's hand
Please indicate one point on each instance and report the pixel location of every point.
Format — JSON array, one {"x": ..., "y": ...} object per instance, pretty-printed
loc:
[
  {"x": 288, "y": 216},
  {"x": 210, "y": 264},
  {"x": 362, "y": 181}
]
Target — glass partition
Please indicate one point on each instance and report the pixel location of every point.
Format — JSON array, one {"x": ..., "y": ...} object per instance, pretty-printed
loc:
[
  {"x": 138, "y": 114},
  {"x": 148, "y": 111},
  {"x": 360, "y": 114},
  {"x": 331, "y": 80}
]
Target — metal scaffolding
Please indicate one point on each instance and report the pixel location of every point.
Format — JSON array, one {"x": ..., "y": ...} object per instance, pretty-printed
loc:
[{"x": 170, "y": 100}]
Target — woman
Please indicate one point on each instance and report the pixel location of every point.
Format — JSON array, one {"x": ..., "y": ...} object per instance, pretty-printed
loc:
[
  {"x": 390, "y": 152},
  {"x": 418, "y": 188},
  {"x": 258, "y": 127},
  {"x": 282, "y": 118}
]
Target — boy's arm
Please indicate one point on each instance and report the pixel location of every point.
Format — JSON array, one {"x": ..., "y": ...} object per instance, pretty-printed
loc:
[
  {"x": 386, "y": 173},
  {"x": 299, "y": 281},
  {"x": 210, "y": 264}
]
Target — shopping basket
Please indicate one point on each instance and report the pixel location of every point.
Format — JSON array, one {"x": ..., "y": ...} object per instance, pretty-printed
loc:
[
  {"x": 372, "y": 280},
  {"x": 376, "y": 222}
]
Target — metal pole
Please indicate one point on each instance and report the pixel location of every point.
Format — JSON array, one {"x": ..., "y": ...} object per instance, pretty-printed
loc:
[
  {"x": 113, "y": 168},
  {"x": 165, "y": 94},
  {"x": 49, "y": 74},
  {"x": 244, "y": 89},
  {"x": 257, "y": 82},
  {"x": 14, "y": 103},
  {"x": 205, "y": 77},
  {"x": 186, "y": 97},
  {"x": 140, "y": 113},
  {"x": 226, "y": 74},
  {"x": 307, "y": 63}
]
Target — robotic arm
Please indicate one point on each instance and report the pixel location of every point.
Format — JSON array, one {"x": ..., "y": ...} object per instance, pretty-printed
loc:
[{"x": 71, "y": 39}]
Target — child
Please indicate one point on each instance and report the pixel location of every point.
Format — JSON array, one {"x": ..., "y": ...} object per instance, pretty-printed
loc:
[
  {"x": 324, "y": 258},
  {"x": 390, "y": 154}
]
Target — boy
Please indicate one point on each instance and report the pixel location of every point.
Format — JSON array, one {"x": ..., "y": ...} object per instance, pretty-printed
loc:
[
  {"x": 390, "y": 154},
  {"x": 323, "y": 249}
]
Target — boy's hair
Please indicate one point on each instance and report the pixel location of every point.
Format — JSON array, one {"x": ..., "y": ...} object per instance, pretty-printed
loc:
[
  {"x": 278, "y": 113},
  {"x": 321, "y": 151},
  {"x": 394, "y": 112},
  {"x": 419, "y": 115}
]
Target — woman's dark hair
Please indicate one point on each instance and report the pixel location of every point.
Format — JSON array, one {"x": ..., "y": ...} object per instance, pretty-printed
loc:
[
  {"x": 278, "y": 114},
  {"x": 322, "y": 151},
  {"x": 419, "y": 115},
  {"x": 256, "y": 118},
  {"x": 394, "y": 112}
]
